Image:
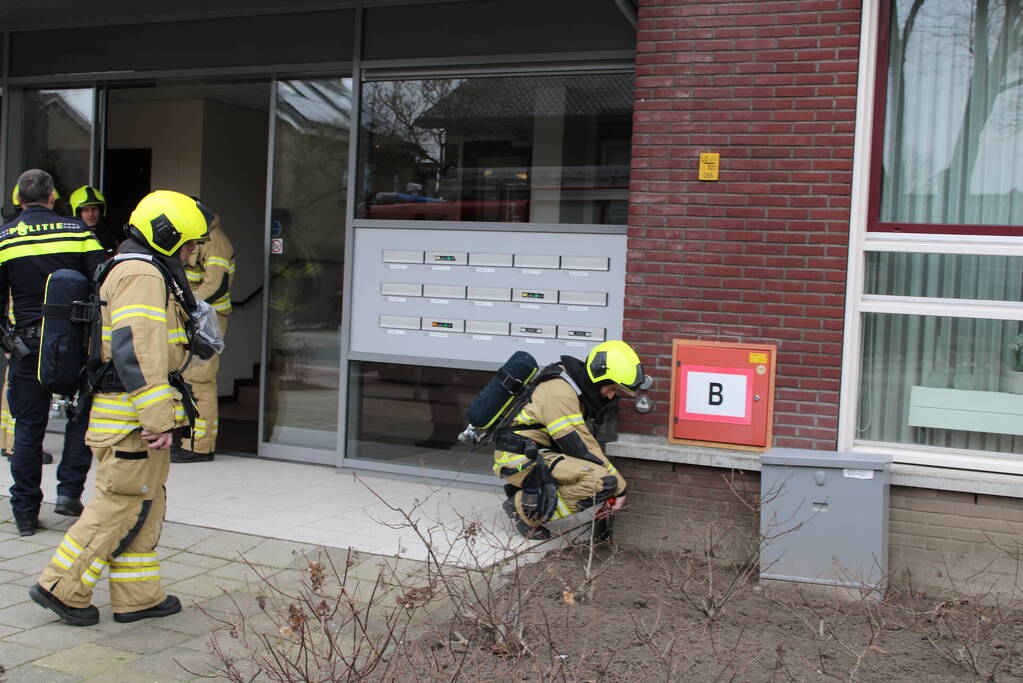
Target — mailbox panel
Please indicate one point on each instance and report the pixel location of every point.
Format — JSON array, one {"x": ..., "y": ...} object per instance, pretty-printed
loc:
[{"x": 722, "y": 394}]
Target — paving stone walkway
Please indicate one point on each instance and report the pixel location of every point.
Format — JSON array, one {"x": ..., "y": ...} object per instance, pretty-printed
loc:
[{"x": 202, "y": 566}]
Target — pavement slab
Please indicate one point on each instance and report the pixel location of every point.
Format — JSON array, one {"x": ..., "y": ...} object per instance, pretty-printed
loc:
[
  {"x": 7, "y": 575},
  {"x": 183, "y": 536},
  {"x": 201, "y": 587},
  {"x": 171, "y": 571},
  {"x": 125, "y": 675},
  {"x": 54, "y": 637},
  {"x": 194, "y": 559},
  {"x": 26, "y": 615},
  {"x": 219, "y": 574},
  {"x": 277, "y": 553},
  {"x": 13, "y": 654},
  {"x": 175, "y": 663},
  {"x": 31, "y": 564},
  {"x": 30, "y": 673},
  {"x": 86, "y": 660},
  {"x": 225, "y": 545},
  {"x": 144, "y": 638}
]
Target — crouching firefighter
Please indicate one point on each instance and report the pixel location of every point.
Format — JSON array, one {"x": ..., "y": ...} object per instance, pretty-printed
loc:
[
  {"x": 149, "y": 327},
  {"x": 552, "y": 464}
]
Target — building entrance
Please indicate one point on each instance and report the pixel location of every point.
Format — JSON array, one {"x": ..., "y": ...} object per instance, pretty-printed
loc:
[{"x": 209, "y": 141}]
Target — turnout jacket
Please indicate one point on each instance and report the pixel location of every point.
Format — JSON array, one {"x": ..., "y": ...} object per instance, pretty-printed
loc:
[
  {"x": 556, "y": 406},
  {"x": 143, "y": 334},
  {"x": 32, "y": 246},
  {"x": 211, "y": 270}
]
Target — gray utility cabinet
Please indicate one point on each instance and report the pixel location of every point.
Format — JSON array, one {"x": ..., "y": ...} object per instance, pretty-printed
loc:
[{"x": 824, "y": 517}]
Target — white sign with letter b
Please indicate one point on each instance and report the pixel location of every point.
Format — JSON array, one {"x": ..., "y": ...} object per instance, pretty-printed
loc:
[{"x": 716, "y": 394}]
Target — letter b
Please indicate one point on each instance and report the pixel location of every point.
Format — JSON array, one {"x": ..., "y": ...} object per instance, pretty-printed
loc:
[{"x": 716, "y": 397}]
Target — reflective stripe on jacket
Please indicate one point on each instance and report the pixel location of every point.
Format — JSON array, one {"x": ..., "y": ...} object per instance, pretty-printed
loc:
[
  {"x": 556, "y": 405},
  {"x": 142, "y": 334},
  {"x": 211, "y": 270}
]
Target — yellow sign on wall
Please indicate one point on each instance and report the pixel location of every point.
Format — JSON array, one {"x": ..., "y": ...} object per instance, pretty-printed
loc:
[{"x": 709, "y": 163}]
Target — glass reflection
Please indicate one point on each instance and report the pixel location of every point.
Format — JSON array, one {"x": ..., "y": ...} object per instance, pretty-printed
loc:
[
  {"x": 925, "y": 380},
  {"x": 58, "y": 137},
  {"x": 953, "y": 145},
  {"x": 945, "y": 276},
  {"x": 542, "y": 149},
  {"x": 412, "y": 415},
  {"x": 306, "y": 258}
]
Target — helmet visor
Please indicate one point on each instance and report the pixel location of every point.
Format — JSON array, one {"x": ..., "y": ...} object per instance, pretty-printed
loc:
[{"x": 631, "y": 389}]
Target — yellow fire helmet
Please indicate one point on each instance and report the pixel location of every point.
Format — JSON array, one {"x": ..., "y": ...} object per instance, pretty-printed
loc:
[
  {"x": 165, "y": 220},
  {"x": 17, "y": 202},
  {"x": 87, "y": 195},
  {"x": 615, "y": 361}
]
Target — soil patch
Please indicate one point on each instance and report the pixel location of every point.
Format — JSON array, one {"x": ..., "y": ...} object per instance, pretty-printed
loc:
[{"x": 646, "y": 621}]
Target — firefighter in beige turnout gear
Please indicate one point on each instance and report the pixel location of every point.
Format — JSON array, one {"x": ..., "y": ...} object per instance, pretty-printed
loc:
[
  {"x": 135, "y": 410},
  {"x": 551, "y": 462},
  {"x": 210, "y": 272}
]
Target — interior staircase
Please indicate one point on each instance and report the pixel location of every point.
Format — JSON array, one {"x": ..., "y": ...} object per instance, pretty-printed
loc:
[{"x": 239, "y": 416}]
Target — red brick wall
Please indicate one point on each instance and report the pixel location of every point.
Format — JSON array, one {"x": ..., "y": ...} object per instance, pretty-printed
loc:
[
  {"x": 760, "y": 255},
  {"x": 937, "y": 539},
  {"x": 676, "y": 507}
]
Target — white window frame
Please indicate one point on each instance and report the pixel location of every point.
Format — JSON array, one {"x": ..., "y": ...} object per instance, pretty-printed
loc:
[{"x": 857, "y": 303}]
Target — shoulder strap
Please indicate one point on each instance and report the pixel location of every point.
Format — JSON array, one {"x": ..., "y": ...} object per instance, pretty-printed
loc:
[
  {"x": 549, "y": 372},
  {"x": 104, "y": 269}
]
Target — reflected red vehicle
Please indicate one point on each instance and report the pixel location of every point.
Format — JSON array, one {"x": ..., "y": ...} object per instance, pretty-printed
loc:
[{"x": 511, "y": 211}]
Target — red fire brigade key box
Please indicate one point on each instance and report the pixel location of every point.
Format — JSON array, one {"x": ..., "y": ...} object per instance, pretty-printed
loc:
[{"x": 722, "y": 394}]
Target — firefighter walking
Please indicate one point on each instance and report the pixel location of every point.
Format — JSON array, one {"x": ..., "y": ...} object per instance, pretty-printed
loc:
[
  {"x": 210, "y": 272},
  {"x": 551, "y": 462},
  {"x": 136, "y": 406}
]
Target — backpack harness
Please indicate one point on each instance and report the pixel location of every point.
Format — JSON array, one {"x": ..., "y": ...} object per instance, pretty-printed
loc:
[{"x": 93, "y": 374}]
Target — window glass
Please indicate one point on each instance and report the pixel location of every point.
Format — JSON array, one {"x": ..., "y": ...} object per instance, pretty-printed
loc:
[
  {"x": 412, "y": 415},
  {"x": 953, "y": 139},
  {"x": 942, "y": 381},
  {"x": 58, "y": 137},
  {"x": 945, "y": 276},
  {"x": 541, "y": 149},
  {"x": 307, "y": 227}
]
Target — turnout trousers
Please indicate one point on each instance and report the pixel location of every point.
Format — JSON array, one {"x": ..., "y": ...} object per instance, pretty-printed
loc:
[
  {"x": 580, "y": 485},
  {"x": 202, "y": 377},
  {"x": 118, "y": 530},
  {"x": 30, "y": 406}
]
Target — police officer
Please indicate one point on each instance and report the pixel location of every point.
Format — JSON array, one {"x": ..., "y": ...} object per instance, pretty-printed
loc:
[
  {"x": 6, "y": 418},
  {"x": 32, "y": 246},
  {"x": 134, "y": 412},
  {"x": 552, "y": 464},
  {"x": 90, "y": 206},
  {"x": 210, "y": 272}
]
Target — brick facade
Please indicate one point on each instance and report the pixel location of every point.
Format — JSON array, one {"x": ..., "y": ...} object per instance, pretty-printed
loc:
[
  {"x": 937, "y": 539},
  {"x": 760, "y": 255},
  {"x": 673, "y": 507},
  {"x": 943, "y": 538}
]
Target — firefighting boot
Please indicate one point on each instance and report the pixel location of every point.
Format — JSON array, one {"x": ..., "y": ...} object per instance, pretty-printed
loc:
[
  {"x": 170, "y": 605},
  {"x": 76, "y": 616},
  {"x": 182, "y": 455}
]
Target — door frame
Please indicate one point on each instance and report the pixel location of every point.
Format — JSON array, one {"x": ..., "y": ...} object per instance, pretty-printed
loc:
[{"x": 273, "y": 451}]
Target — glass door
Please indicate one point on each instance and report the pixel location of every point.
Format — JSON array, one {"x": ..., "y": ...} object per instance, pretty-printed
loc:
[{"x": 302, "y": 350}]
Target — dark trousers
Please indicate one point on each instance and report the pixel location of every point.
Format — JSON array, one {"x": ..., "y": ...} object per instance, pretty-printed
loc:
[{"x": 30, "y": 406}]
